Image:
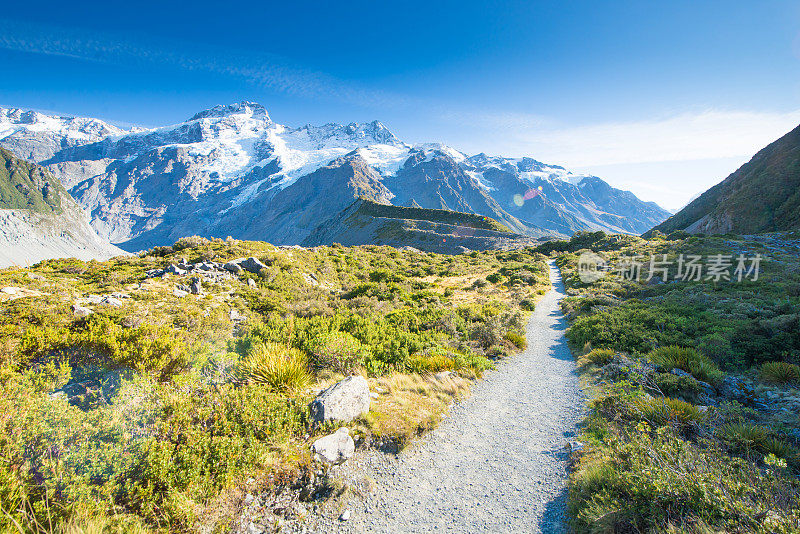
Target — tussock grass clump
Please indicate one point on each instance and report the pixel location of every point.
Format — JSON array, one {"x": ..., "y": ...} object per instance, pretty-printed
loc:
[
  {"x": 519, "y": 341},
  {"x": 744, "y": 437},
  {"x": 782, "y": 449},
  {"x": 410, "y": 404},
  {"x": 599, "y": 356},
  {"x": 689, "y": 360},
  {"x": 419, "y": 363},
  {"x": 467, "y": 363},
  {"x": 780, "y": 373},
  {"x": 661, "y": 411},
  {"x": 283, "y": 369}
]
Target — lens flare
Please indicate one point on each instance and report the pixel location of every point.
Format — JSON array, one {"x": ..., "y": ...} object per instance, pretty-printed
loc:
[{"x": 519, "y": 200}]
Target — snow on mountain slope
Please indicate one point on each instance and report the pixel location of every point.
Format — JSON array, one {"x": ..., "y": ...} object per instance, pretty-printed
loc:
[
  {"x": 529, "y": 169},
  {"x": 229, "y": 159},
  {"x": 35, "y": 136}
]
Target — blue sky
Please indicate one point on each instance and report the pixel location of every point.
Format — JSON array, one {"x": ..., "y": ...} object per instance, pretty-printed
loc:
[{"x": 664, "y": 99}]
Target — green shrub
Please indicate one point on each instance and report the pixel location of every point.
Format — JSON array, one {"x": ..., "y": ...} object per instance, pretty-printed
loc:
[
  {"x": 338, "y": 351},
  {"x": 638, "y": 326},
  {"x": 383, "y": 275},
  {"x": 283, "y": 369},
  {"x": 648, "y": 481},
  {"x": 99, "y": 341},
  {"x": 519, "y": 341},
  {"x": 479, "y": 283},
  {"x": 495, "y": 278},
  {"x": 672, "y": 385},
  {"x": 527, "y": 304},
  {"x": 689, "y": 360},
  {"x": 780, "y": 373},
  {"x": 190, "y": 242}
]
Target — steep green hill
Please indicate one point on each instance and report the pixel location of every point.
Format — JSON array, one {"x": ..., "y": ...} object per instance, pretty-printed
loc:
[
  {"x": 431, "y": 230},
  {"x": 24, "y": 185},
  {"x": 763, "y": 195},
  {"x": 40, "y": 220},
  {"x": 456, "y": 218}
]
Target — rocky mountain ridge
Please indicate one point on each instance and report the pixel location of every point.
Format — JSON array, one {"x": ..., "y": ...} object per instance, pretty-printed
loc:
[
  {"x": 231, "y": 170},
  {"x": 39, "y": 220}
]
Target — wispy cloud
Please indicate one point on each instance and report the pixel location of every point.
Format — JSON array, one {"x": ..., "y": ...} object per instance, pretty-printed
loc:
[
  {"x": 658, "y": 150},
  {"x": 499, "y": 120},
  {"x": 668, "y": 159},
  {"x": 687, "y": 136},
  {"x": 263, "y": 70}
]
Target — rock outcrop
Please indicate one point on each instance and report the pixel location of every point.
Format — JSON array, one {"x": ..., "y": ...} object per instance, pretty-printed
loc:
[
  {"x": 343, "y": 401},
  {"x": 334, "y": 448}
]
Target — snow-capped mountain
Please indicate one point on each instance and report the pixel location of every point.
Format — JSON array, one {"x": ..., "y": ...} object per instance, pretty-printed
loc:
[
  {"x": 36, "y": 136},
  {"x": 231, "y": 170}
]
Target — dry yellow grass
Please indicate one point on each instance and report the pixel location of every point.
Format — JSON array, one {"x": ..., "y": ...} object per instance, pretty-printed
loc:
[{"x": 410, "y": 404}]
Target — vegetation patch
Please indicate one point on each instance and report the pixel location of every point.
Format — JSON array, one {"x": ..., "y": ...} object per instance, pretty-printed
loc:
[
  {"x": 687, "y": 431},
  {"x": 129, "y": 404}
]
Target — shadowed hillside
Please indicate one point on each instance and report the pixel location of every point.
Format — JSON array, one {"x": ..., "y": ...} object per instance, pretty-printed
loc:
[{"x": 763, "y": 195}]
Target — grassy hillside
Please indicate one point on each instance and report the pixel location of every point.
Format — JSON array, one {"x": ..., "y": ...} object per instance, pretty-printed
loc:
[
  {"x": 468, "y": 220},
  {"x": 161, "y": 410},
  {"x": 27, "y": 186},
  {"x": 693, "y": 425},
  {"x": 761, "y": 196}
]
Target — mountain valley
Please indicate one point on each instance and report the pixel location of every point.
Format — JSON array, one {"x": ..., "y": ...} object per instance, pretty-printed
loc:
[{"x": 231, "y": 170}]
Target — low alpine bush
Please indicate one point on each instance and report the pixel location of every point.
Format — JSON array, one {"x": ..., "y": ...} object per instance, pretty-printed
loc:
[
  {"x": 780, "y": 373},
  {"x": 687, "y": 359}
]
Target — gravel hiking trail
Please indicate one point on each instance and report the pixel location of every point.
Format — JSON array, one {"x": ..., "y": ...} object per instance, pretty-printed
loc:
[{"x": 497, "y": 462}]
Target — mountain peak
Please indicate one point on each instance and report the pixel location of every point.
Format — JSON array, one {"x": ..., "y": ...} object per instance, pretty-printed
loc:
[
  {"x": 374, "y": 130},
  {"x": 244, "y": 107}
]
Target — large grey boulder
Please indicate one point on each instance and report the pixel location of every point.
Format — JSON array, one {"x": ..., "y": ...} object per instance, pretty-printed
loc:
[
  {"x": 252, "y": 264},
  {"x": 81, "y": 311},
  {"x": 334, "y": 448},
  {"x": 232, "y": 267},
  {"x": 343, "y": 401}
]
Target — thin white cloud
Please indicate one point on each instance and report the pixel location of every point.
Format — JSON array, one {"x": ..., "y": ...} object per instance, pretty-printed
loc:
[
  {"x": 264, "y": 70},
  {"x": 689, "y": 136},
  {"x": 667, "y": 160},
  {"x": 500, "y": 120}
]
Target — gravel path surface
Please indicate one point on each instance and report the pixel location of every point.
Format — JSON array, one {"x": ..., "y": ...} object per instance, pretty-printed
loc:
[{"x": 495, "y": 463}]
